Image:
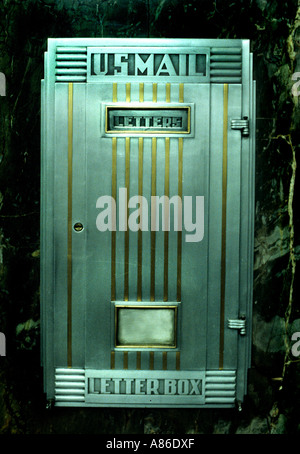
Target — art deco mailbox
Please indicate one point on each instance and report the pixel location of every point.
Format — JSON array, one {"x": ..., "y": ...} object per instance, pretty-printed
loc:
[{"x": 147, "y": 221}]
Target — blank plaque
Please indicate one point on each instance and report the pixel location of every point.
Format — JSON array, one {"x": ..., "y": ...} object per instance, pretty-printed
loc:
[{"x": 146, "y": 327}]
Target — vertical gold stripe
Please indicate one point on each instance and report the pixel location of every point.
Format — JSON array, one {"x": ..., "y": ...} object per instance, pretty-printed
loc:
[
  {"x": 168, "y": 92},
  {"x": 154, "y": 92},
  {"x": 181, "y": 92},
  {"x": 115, "y": 92},
  {"x": 69, "y": 254},
  {"x": 165, "y": 360},
  {"x": 112, "y": 360},
  {"x": 224, "y": 202},
  {"x": 113, "y": 233},
  {"x": 177, "y": 360},
  {"x": 179, "y": 234},
  {"x": 140, "y": 238},
  {"x": 138, "y": 360},
  {"x": 128, "y": 92},
  {"x": 141, "y": 92},
  {"x": 126, "y": 258},
  {"x": 151, "y": 360},
  {"x": 166, "y": 217},
  {"x": 153, "y": 193},
  {"x": 125, "y": 360}
]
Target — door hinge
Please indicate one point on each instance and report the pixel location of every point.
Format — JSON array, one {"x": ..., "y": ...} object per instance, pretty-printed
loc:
[
  {"x": 242, "y": 124},
  {"x": 239, "y": 324}
]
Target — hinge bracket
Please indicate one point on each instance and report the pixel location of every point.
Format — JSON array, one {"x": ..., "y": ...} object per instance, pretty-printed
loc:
[
  {"x": 242, "y": 124},
  {"x": 239, "y": 324}
]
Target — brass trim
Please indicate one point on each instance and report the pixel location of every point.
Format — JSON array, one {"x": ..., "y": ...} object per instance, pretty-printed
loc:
[
  {"x": 113, "y": 233},
  {"x": 146, "y": 346},
  {"x": 151, "y": 360},
  {"x": 140, "y": 233},
  {"x": 154, "y": 92},
  {"x": 152, "y": 131},
  {"x": 125, "y": 360},
  {"x": 128, "y": 92},
  {"x": 179, "y": 233},
  {"x": 224, "y": 214},
  {"x": 177, "y": 360},
  {"x": 112, "y": 360},
  {"x": 166, "y": 215},
  {"x": 181, "y": 92},
  {"x": 168, "y": 92},
  {"x": 141, "y": 92},
  {"x": 126, "y": 257},
  {"x": 115, "y": 92},
  {"x": 69, "y": 253},
  {"x": 152, "y": 234},
  {"x": 164, "y": 360}
]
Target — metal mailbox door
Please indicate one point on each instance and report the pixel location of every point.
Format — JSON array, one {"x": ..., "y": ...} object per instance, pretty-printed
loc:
[{"x": 147, "y": 221}]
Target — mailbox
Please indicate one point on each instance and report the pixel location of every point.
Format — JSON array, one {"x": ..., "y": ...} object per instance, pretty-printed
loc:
[{"x": 147, "y": 209}]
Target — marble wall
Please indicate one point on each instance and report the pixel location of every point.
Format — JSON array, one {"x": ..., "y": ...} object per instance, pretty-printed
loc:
[{"x": 274, "y": 30}]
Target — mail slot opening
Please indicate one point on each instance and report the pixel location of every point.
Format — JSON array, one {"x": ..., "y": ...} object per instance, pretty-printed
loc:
[
  {"x": 147, "y": 119},
  {"x": 146, "y": 327}
]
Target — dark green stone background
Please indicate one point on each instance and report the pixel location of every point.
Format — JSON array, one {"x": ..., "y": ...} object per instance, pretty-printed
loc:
[{"x": 271, "y": 405}]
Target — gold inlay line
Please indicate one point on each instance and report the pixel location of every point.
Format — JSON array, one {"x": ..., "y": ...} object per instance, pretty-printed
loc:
[
  {"x": 164, "y": 360},
  {"x": 128, "y": 92},
  {"x": 166, "y": 217},
  {"x": 125, "y": 360},
  {"x": 115, "y": 92},
  {"x": 152, "y": 234},
  {"x": 141, "y": 92},
  {"x": 113, "y": 233},
  {"x": 224, "y": 202},
  {"x": 69, "y": 253},
  {"x": 140, "y": 237},
  {"x": 179, "y": 234},
  {"x": 177, "y": 360},
  {"x": 126, "y": 258},
  {"x": 154, "y": 92},
  {"x": 112, "y": 360},
  {"x": 168, "y": 92},
  {"x": 151, "y": 360},
  {"x": 181, "y": 92}
]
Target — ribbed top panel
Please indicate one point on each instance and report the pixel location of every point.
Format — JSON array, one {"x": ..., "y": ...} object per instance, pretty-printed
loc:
[
  {"x": 226, "y": 65},
  {"x": 71, "y": 64}
]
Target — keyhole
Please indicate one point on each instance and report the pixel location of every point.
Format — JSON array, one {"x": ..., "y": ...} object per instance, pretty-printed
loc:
[{"x": 78, "y": 227}]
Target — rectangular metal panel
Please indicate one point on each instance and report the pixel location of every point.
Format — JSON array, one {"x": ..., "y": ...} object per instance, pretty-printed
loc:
[{"x": 147, "y": 217}]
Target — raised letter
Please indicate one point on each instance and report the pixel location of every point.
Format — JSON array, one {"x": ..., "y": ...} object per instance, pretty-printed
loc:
[
  {"x": 152, "y": 386},
  {"x": 166, "y": 67},
  {"x": 170, "y": 386},
  {"x": 100, "y": 64},
  {"x": 121, "y": 64},
  {"x": 144, "y": 67}
]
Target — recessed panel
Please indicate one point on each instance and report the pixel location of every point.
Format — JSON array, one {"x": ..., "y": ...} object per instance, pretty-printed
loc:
[{"x": 146, "y": 327}]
